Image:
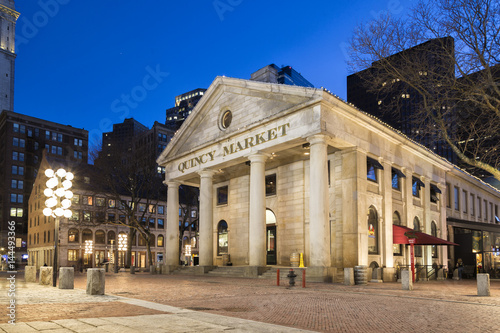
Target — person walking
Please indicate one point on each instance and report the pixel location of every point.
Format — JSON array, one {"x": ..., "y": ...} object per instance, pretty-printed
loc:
[{"x": 460, "y": 266}]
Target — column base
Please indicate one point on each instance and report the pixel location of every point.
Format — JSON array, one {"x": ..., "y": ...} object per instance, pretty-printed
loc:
[
  {"x": 320, "y": 274},
  {"x": 168, "y": 269},
  {"x": 389, "y": 274},
  {"x": 254, "y": 271}
]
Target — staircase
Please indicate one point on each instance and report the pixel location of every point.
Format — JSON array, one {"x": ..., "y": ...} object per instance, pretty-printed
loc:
[{"x": 228, "y": 271}]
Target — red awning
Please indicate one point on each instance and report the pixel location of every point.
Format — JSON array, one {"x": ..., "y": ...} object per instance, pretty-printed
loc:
[{"x": 399, "y": 237}]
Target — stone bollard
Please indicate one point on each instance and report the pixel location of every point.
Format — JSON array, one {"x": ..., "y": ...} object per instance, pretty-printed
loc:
[
  {"x": 66, "y": 278},
  {"x": 349, "y": 276},
  {"x": 455, "y": 274},
  {"x": 46, "y": 275},
  {"x": 406, "y": 280},
  {"x": 483, "y": 284},
  {"x": 95, "y": 281},
  {"x": 30, "y": 274},
  {"x": 440, "y": 274},
  {"x": 132, "y": 269}
]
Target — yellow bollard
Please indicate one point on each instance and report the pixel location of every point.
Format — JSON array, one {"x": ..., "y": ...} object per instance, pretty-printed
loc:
[{"x": 301, "y": 262}]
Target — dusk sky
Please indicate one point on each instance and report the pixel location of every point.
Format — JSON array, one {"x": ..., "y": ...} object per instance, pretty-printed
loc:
[{"x": 91, "y": 63}]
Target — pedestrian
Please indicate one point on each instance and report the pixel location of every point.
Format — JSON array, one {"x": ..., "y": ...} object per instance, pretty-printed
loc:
[{"x": 460, "y": 266}]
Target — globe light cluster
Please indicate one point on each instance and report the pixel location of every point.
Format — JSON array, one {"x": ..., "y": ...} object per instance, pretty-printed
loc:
[{"x": 58, "y": 193}]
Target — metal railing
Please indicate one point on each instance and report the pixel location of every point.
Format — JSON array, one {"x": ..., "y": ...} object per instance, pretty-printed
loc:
[{"x": 422, "y": 272}]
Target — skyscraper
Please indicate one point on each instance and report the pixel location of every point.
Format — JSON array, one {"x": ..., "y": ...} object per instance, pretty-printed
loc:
[
  {"x": 8, "y": 18},
  {"x": 24, "y": 138}
]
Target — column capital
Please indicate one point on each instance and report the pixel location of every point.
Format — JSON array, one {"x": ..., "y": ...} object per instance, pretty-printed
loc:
[
  {"x": 171, "y": 183},
  {"x": 317, "y": 138},
  {"x": 207, "y": 173},
  {"x": 258, "y": 157}
]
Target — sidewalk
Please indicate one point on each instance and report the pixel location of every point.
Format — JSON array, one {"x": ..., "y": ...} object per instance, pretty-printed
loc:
[{"x": 159, "y": 303}]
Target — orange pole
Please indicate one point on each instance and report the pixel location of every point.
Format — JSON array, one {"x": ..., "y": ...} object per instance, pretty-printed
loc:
[
  {"x": 278, "y": 277},
  {"x": 303, "y": 278}
]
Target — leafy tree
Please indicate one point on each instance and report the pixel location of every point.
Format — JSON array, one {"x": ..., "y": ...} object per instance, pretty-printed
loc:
[{"x": 454, "y": 86}]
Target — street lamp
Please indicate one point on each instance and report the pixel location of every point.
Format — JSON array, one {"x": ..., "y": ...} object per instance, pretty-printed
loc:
[
  {"x": 122, "y": 246},
  {"x": 57, "y": 205}
]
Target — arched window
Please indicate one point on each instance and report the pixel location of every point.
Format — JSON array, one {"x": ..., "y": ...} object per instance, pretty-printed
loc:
[
  {"x": 416, "y": 227},
  {"x": 435, "y": 234},
  {"x": 111, "y": 237},
  {"x": 222, "y": 242},
  {"x": 73, "y": 236},
  {"x": 397, "y": 249},
  {"x": 152, "y": 240},
  {"x": 372, "y": 231},
  {"x": 270, "y": 217},
  {"x": 100, "y": 237},
  {"x": 86, "y": 235},
  {"x": 159, "y": 242}
]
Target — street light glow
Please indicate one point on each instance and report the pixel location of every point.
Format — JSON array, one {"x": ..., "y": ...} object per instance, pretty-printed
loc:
[{"x": 58, "y": 193}]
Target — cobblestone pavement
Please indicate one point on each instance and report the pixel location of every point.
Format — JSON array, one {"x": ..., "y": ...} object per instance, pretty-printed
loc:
[{"x": 162, "y": 303}]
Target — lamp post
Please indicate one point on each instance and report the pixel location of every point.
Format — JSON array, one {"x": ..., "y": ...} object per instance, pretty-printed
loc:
[
  {"x": 122, "y": 246},
  {"x": 57, "y": 205}
]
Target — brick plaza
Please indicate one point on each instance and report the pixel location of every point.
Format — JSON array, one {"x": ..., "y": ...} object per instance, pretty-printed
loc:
[{"x": 179, "y": 303}]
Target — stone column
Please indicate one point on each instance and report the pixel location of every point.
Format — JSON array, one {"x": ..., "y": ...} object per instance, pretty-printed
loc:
[
  {"x": 206, "y": 218},
  {"x": 319, "y": 248},
  {"x": 257, "y": 223},
  {"x": 172, "y": 239}
]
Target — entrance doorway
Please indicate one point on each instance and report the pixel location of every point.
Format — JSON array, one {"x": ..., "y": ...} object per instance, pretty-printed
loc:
[
  {"x": 271, "y": 245},
  {"x": 271, "y": 238}
]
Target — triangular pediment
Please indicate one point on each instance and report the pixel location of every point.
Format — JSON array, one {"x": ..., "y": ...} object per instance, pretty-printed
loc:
[{"x": 250, "y": 103}]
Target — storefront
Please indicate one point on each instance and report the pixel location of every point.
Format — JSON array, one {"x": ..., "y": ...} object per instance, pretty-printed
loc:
[{"x": 479, "y": 247}]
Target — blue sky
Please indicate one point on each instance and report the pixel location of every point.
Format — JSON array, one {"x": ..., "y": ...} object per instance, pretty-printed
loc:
[{"x": 91, "y": 63}]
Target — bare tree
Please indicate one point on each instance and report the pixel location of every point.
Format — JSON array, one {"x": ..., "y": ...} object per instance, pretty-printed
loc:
[
  {"x": 453, "y": 85},
  {"x": 134, "y": 188}
]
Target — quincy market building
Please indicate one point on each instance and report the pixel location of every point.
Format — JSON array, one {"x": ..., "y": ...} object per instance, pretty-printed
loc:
[{"x": 287, "y": 169}]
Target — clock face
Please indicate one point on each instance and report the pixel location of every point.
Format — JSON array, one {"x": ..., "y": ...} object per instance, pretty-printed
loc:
[{"x": 226, "y": 119}]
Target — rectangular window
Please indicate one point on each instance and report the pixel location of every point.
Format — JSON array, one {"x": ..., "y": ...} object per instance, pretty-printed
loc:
[
  {"x": 47, "y": 135},
  {"x": 479, "y": 207},
  {"x": 222, "y": 194},
  {"x": 100, "y": 202},
  {"x": 271, "y": 184},
  {"x": 16, "y": 128},
  {"x": 396, "y": 179},
  {"x": 434, "y": 193},
  {"x": 456, "y": 198},
  {"x": 485, "y": 210},
  {"x": 15, "y": 156},
  {"x": 87, "y": 216},
  {"x": 54, "y": 150},
  {"x": 151, "y": 209},
  {"x": 448, "y": 195},
  {"x": 193, "y": 213},
  {"x": 464, "y": 201},
  {"x": 111, "y": 203},
  {"x": 491, "y": 213},
  {"x": 75, "y": 216},
  {"x": 111, "y": 217},
  {"x": 15, "y": 142},
  {"x": 21, "y": 157},
  {"x": 87, "y": 200},
  {"x": 415, "y": 187},
  {"x": 59, "y": 137},
  {"x": 22, "y": 143},
  {"x": 161, "y": 210},
  {"x": 16, "y": 212},
  {"x": 59, "y": 151},
  {"x": 72, "y": 255},
  {"x": 161, "y": 223},
  {"x": 142, "y": 207},
  {"x": 76, "y": 199},
  {"x": 472, "y": 201},
  {"x": 372, "y": 166},
  {"x": 151, "y": 223}
]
